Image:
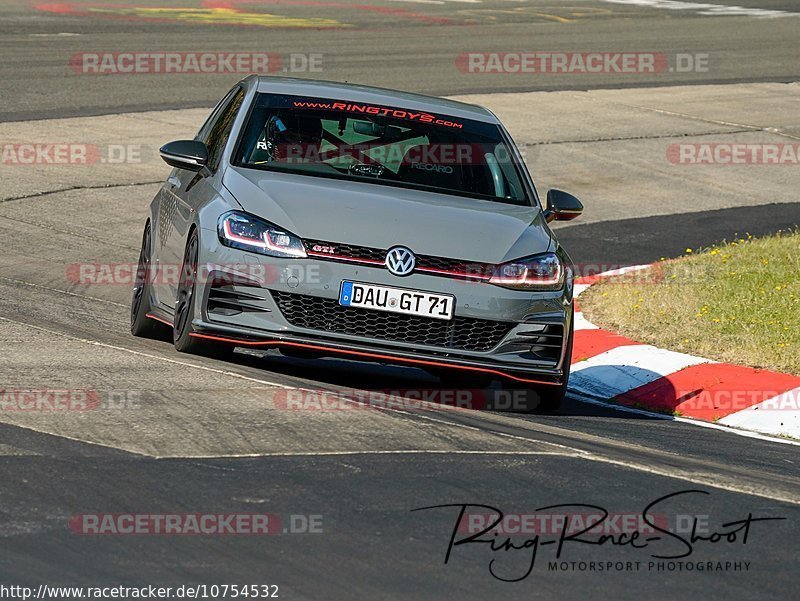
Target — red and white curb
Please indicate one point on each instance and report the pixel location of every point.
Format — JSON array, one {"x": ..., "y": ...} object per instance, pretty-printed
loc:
[{"x": 607, "y": 367}]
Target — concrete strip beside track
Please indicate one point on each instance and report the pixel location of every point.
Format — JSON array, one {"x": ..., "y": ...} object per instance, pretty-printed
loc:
[{"x": 609, "y": 147}]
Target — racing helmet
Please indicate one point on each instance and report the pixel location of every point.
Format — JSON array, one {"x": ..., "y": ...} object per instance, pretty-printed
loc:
[{"x": 289, "y": 135}]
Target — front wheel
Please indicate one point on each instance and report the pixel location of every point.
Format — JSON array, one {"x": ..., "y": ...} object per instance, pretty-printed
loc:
[{"x": 184, "y": 308}]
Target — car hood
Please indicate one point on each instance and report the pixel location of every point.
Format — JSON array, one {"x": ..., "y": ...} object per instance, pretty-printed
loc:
[{"x": 378, "y": 216}]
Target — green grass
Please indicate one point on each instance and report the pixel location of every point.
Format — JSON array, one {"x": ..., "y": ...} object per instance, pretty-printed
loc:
[{"x": 738, "y": 302}]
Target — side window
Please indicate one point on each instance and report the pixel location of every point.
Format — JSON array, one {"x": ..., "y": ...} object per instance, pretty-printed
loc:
[
  {"x": 212, "y": 117},
  {"x": 216, "y": 134}
]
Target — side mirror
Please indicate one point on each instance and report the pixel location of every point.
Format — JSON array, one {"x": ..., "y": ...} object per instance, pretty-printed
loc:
[
  {"x": 562, "y": 206},
  {"x": 185, "y": 154}
]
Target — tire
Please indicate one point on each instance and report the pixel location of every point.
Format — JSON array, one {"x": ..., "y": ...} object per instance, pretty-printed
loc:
[
  {"x": 141, "y": 325},
  {"x": 184, "y": 308},
  {"x": 514, "y": 398}
]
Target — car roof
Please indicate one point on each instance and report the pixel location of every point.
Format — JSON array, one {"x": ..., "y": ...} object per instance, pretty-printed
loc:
[{"x": 367, "y": 94}]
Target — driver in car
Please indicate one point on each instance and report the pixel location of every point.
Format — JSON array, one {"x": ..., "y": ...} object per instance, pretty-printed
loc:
[{"x": 289, "y": 137}]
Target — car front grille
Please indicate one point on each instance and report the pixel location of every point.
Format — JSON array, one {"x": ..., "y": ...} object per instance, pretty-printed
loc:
[
  {"x": 333, "y": 251},
  {"x": 327, "y": 315},
  {"x": 456, "y": 268}
]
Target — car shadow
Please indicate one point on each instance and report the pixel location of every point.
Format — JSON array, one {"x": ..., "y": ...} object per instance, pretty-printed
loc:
[
  {"x": 590, "y": 394},
  {"x": 617, "y": 388}
]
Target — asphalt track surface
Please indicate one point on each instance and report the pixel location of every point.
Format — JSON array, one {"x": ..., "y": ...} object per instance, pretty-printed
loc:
[
  {"x": 397, "y": 44},
  {"x": 207, "y": 436}
]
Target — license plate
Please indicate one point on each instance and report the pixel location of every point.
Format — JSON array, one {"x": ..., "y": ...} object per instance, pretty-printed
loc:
[{"x": 397, "y": 300}]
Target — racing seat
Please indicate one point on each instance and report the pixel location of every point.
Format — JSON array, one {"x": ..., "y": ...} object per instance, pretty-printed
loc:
[
  {"x": 429, "y": 165},
  {"x": 444, "y": 166}
]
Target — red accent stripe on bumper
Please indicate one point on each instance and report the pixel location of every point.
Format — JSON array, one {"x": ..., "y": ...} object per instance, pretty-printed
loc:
[
  {"x": 390, "y": 358},
  {"x": 374, "y": 262}
]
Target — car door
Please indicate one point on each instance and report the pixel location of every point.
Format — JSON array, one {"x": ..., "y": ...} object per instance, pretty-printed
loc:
[{"x": 185, "y": 191}]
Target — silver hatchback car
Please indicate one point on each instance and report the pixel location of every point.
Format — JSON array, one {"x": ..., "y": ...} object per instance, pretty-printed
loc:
[{"x": 331, "y": 219}]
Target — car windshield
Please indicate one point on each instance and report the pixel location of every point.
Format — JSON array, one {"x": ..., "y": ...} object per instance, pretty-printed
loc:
[{"x": 379, "y": 144}]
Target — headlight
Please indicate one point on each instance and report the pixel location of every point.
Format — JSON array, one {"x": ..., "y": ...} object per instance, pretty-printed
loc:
[
  {"x": 542, "y": 272},
  {"x": 247, "y": 232}
]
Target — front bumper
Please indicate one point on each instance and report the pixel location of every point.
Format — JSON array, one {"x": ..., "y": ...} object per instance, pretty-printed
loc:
[{"x": 238, "y": 303}]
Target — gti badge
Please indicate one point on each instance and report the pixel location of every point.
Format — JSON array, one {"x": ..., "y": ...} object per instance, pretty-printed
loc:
[{"x": 400, "y": 261}]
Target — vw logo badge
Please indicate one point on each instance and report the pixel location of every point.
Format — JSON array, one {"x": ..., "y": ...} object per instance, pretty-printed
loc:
[{"x": 400, "y": 261}]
